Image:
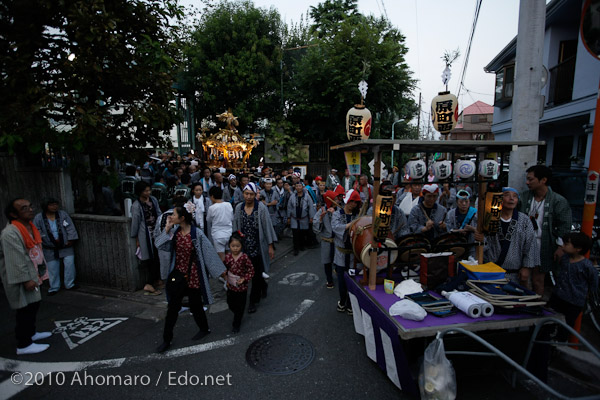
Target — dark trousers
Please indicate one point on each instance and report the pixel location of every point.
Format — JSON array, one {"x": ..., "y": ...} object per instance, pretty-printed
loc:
[
  {"x": 152, "y": 266},
  {"x": 329, "y": 272},
  {"x": 300, "y": 238},
  {"x": 258, "y": 282},
  {"x": 196, "y": 307},
  {"x": 571, "y": 312},
  {"x": 343, "y": 289},
  {"x": 237, "y": 303},
  {"x": 25, "y": 326}
]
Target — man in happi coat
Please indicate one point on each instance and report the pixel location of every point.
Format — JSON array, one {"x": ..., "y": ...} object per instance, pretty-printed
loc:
[
  {"x": 322, "y": 228},
  {"x": 341, "y": 222},
  {"x": 428, "y": 217}
]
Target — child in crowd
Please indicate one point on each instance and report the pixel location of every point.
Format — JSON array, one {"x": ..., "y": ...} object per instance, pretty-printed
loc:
[
  {"x": 577, "y": 279},
  {"x": 239, "y": 272},
  {"x": 199, "y": 201}
]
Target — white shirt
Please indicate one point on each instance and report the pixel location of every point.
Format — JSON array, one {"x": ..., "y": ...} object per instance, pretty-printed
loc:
[
  {"x": 220, "y": 217},
  {"x": 537, "y": 207},
  {"x": 199, "y": 214}
]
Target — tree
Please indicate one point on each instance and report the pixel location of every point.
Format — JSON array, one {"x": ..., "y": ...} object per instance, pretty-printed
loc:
[
  {"x": 233, "y": 61},
  {"x": 89, "y": 76},
  {"x": 347, "y": 47}
]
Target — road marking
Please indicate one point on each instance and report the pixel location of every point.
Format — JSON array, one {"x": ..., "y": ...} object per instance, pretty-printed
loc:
[
  {"x": 79, "y": 330},
  {"x": 9, "y": 389},
  {"x": 299, "y": 279}
]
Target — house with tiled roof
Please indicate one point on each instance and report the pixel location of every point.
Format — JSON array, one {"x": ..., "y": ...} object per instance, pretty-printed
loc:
[{"x": 474, "y": 123}]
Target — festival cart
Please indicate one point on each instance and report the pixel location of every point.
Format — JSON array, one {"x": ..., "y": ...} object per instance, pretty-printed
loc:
[{"x": 386, "y": 336}]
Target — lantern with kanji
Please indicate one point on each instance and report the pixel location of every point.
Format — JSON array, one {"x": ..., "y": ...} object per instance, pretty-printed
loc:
[
  {"x": 358, "y": 123},
  {"x": 444, "y": 112},
  {"x": 382, "y": 217},
  {"x": 491, "y": 216},
  {"x": 358, "y": 118}
]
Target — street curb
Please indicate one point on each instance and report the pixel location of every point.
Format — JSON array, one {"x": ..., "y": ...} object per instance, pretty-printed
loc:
[{"x": 283, "y": 248}]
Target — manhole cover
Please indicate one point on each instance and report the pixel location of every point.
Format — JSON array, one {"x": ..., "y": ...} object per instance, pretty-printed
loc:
[{"x": 280, "y": 354}]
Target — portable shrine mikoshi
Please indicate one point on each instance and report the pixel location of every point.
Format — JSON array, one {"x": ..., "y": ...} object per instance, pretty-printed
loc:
[{"x": 227, "y": 148}]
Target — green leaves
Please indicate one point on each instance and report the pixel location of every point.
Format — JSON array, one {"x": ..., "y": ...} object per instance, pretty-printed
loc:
[
  {"x": 232, "y": 60},
  {"x": 124, "y": 62}
]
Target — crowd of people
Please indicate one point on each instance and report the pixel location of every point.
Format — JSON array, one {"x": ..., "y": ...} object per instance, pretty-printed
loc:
[{"x": 192, "y": 222}]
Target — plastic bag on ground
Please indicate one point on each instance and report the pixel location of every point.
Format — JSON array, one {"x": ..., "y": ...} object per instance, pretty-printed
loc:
[
  {"x": 437, "y": 379},
  {"x": 408, "y": 309}
]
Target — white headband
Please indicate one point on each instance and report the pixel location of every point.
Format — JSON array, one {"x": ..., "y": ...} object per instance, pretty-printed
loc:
[{"x": 250, "y": 186}]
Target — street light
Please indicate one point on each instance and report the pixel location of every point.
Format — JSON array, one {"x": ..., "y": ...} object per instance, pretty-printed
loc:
[{"x": 395, "y": 122}]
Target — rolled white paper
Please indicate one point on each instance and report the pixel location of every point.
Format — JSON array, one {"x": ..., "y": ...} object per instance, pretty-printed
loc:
[{"x": 468, "y": 303}]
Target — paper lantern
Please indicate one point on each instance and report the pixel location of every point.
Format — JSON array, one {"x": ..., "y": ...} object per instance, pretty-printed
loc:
[
  {"x": 416, "y": 168},
  {"x": 488, "y": 168},
  {"x": 358, "y": 123},
  {"x": 491, "y": 216},
  {"x": 383, "y": 217},
  {"x": 464, "y": 169},
  {"x": 442, "y": 169},
  {"x": 444, "y": 112}
]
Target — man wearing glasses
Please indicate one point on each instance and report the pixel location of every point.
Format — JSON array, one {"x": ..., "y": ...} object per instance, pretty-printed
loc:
[{"x": 20, "y": 255}]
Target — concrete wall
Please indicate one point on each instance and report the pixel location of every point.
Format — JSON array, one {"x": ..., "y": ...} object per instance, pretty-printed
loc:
[
  {"x": 587, "y": 72},
  {"x": 105, "y": 253}
]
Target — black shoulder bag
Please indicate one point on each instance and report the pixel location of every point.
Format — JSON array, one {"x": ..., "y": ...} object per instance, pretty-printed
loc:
[{"x": 177, "y": 281}]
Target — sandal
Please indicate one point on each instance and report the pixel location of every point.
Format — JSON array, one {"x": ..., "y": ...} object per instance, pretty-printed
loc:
[{"x": 149, "y": 288}]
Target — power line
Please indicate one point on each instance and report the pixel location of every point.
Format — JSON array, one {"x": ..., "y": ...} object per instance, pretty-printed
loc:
[
  {"x": 466, "y": 59},
  {"x": 377, "y": 2},
  {"x": 384, "y": 10},
  {"x": 417, "y": 26},
  {"x": 472, "y": 91}
]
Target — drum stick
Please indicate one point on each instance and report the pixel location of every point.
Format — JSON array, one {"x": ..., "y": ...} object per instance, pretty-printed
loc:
[{"x": 334, "y": 202}]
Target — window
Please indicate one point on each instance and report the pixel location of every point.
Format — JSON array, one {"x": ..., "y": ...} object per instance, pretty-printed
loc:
[
  {"x": 505, "y": 82},
  {"x": 479, "y": 118}
]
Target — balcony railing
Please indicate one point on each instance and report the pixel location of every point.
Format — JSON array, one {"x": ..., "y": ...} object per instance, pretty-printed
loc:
[{"x": 561, "y": 82}]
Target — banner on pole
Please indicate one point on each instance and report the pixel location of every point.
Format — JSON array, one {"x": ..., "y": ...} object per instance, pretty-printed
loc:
[
  {"x": 591, "y": 187},
  {"x": 353, "y": 162}
]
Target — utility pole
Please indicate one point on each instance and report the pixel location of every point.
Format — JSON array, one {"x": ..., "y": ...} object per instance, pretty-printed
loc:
[
  {"x": 419, "y": 119},
  {"x": 527, "y": 85}
]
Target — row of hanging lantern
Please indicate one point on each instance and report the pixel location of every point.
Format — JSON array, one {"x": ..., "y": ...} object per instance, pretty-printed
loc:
[
  {"x": 444, "y": 113},
  {"x": 442, "y": 168}
]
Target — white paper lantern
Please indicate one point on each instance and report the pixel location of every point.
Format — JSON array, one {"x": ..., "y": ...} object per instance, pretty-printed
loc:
[
  {"x": 464, "y": 169},
  {"x": 358, "y": 123},
  {"x": 442, "y": 169},
  {"x": 416, "y": 168},
  {"x": 444, "y": 112},
  {"x": 488, "y": 168}
]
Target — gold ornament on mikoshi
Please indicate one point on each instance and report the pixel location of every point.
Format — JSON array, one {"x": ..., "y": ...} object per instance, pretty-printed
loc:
[
  {"x": 444, "y": 112},
  {"x": 358, "y": 123}
]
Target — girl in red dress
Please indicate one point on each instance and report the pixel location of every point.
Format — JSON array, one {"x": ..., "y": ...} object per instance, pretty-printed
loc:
[{"x": 239, "y": 272}]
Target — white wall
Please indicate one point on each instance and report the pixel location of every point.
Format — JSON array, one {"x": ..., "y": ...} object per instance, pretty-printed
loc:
[{"x": 587, "y": 73}]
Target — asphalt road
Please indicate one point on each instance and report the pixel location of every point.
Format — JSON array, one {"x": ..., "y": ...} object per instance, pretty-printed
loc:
[{"x": 111, "y": 353}]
